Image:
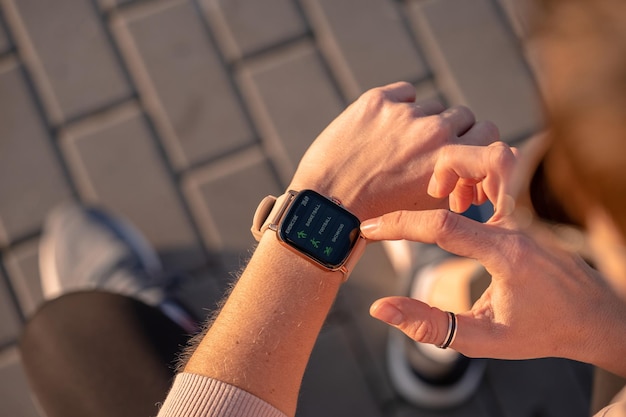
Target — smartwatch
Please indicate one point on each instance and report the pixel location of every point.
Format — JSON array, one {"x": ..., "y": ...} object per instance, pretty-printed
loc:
[{"x": 313, "y": 226}]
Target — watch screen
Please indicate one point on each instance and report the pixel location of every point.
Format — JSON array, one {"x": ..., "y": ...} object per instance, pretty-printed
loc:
[{"x": 320, "y": 228}]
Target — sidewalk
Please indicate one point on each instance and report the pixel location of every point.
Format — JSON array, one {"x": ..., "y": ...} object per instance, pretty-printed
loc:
[{"x": 181, "y": 115}]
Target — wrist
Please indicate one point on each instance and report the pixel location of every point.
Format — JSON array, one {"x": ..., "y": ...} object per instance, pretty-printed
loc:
[
  {"x": 348, "y": 198},
  {"x": 606, "y": 339},
  {"x": 312, "y": 226},
  {"x": 367, "y": 200},
  {"x": 268, "y": 326},
  {"x": 290, "y": 260}
]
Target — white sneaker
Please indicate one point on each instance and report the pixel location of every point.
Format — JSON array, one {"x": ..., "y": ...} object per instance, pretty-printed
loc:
[{"x": 423, "y": 374}]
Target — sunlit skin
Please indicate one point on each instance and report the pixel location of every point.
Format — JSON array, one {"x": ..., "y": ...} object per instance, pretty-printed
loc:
[{"x": 382, "y": 144}]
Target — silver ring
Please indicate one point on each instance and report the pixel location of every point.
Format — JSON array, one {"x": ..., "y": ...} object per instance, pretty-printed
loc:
[{"x": 451, "y": 335}]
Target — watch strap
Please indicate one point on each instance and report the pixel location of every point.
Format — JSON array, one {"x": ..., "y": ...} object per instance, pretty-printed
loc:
[{"x": 268, "y": 213}]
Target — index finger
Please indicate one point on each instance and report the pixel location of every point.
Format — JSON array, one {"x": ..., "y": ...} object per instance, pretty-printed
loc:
[
  {"x": 450, "y": 231},
  {"x": 489, "y": 165}
]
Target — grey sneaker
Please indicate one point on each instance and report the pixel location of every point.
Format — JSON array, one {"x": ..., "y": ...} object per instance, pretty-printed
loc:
[{"x": 85, "y": 248}]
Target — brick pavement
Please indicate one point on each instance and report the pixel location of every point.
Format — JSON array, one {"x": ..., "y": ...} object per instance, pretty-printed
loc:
[{"x": 181, "y": 115}]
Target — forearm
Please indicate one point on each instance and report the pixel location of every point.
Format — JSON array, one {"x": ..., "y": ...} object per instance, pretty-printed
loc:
[
  {"x": 263, "y": 337},
  {"x": 381, "y": 146}
]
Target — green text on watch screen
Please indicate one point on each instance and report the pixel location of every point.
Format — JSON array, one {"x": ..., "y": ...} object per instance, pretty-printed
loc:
[{"x": 320, "y": 228}]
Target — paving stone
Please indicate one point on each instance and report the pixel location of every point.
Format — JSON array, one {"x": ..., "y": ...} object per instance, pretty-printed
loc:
[
  {"x": 373, "y": 278},
  {"x": 203, "y": 291},
  {"x": 22, "y": 265},
  {"x": 247, "y": 26},
  {"x": 5, "y": 44},
  {"x": 224, "y": 196},
  {"x": 546, "y": 387},
  {"x": 520, "y": 14},
  {"x": 292, "y": 100},
  {"x": 426, "y": 90},
  {"x": 10, "y": 321},
  {"x": 182, "y": 81},
  {"x": 31, "y": 180},
  {"x": 78, "y": 64},
  {"x": 478, "y": 62},
  {"x": 366, "y": 43},
  {"x": 108, "y": 5},
  {"x": 333, "y": 384},
  {"x": 16, "y": 398},
  {"x": 116, "y": 163}
]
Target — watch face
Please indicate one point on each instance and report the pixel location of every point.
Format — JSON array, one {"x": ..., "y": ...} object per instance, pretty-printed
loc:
[{"x": 319, "y": 228}]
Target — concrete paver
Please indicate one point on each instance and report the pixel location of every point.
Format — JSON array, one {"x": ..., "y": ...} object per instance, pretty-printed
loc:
[
  {"x": 183, "y": 82},
  {"x": 79, "y": 63},
  {"x": 372, "y": 278},
  {"x": 31, "y": 179},
  {"x": 119, "y": 167},
  {"x": 346, "y": 393},
  {"x": 10, "y": 321},
  {"x": 182, "y": 114},
  {"x": 22, "y": 266},
  {"x": 222, "y": 196},
  {"x": 485, "y": 71},
  {"x": 292, "y": 99},
  {"x": 202, "y": 292},
  {"x": 519, "y": 13},
  {"x": 520, "y": 392},
  {"x": 108, "y": 5},
  {"x": 366, "y": 43},
  {"x": 245, "y": 27},
  {"x": 16, "y": 399},
  {"x": 5, "y": 44}
]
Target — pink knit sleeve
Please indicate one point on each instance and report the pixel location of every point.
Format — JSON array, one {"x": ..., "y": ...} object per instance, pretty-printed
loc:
[
  {"x": 613, "y": 410},
  {"x": 198, "y": 396}
]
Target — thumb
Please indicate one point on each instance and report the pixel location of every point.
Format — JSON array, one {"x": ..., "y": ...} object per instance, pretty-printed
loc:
[
  {"x": 414, "y": 318},
  {"x": 476, "y": 335}
]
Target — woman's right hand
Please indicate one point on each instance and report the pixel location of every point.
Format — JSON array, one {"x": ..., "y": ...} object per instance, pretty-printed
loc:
[{"x": 542, "y": 301}]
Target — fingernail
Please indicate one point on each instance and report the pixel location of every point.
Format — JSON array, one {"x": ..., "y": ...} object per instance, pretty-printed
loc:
[
  {"x": 433, "y": 187},
  {"x": 452, "y": 202},
  {"x": 369, "y": 226},
  {"x": 388, "y": 313}
]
